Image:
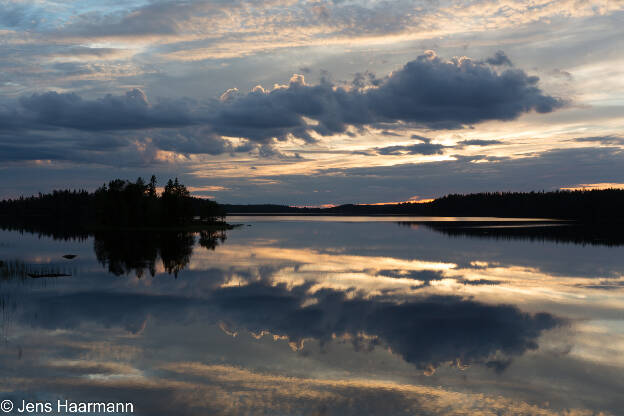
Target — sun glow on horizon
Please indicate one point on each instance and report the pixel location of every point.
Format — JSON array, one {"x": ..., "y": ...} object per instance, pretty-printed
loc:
[{"x": 594, "y": 186}]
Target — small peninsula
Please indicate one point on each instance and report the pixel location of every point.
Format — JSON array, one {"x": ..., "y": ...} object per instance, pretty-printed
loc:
[{"x": 120, "y": 204}]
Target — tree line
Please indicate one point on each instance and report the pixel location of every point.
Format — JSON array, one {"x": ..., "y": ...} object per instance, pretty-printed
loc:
[
  {"x": 138, "y": 204},
  {"x": 582, "y": 205},
  {"x": 120, "y": 203}
]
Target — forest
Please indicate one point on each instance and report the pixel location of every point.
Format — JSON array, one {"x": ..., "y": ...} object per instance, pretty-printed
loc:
[
  {"x": 582, "y": 205},
  {"x": 120, "y": 203}
]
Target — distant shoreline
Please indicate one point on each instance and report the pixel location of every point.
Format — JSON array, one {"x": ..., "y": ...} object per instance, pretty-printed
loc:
[
  {"x": 129, "y": 208},
  {"x": 450, "y": 217},
  {"x": 605, "y": 206}
]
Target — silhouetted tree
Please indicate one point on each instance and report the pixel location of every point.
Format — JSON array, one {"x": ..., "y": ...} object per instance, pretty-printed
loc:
[
  {"x": 119, "y": 203},
  {"x": 151, "y": 188},
  {"x": 177, "y": 204}
]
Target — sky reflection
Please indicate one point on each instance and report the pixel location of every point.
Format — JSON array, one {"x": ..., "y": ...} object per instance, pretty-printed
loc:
[{"x": 317, "y": 318}]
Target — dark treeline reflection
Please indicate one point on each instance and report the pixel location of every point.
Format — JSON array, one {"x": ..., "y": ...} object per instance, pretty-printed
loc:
[
  {"x": 127, "y": 252},
  {"x": 61, "y": 230},
  {"x": 558, "y": 232},
  {"x": 17, "y": 269},
  {"x": 121, "y": 251}
]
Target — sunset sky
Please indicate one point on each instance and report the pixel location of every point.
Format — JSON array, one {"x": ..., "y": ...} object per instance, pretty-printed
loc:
[{"x": 312, "y": 102}]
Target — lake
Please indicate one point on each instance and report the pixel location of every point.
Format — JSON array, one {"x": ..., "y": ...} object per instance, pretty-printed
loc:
[{"x": 318, "y": 316}]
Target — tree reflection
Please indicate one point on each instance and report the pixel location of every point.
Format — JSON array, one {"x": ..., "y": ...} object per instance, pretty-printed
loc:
[
  {"x": 128, "y": 252},
  {"x": 603, "y": 234},
  {"x": 19, "y": 270}
]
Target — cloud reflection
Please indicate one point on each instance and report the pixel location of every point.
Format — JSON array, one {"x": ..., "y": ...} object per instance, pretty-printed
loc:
[
  {"x": 427, "y": 332},
  {"x": 276, "y": 323}
]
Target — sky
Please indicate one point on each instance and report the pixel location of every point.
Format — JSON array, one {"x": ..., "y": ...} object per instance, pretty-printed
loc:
[{"x": 312, "y": 102}]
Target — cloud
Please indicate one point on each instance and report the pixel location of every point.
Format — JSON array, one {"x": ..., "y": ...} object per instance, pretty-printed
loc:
[
  {"x": 428, "y": 148},
  {"x": 235, "y": 25},
  {"x": 423, "y": 148},
  {"x": 605, "y": 140},
  {"x": 478, "y": 142},
  {"x": 129, "y": 111},
  {"x": 160, "y": 18},
  {"x": 414, "y": 149},
  {"x": 550, "y": 170},
  {"x": 499, "y": 59},
  {"x": 428, "y": 92},
  {"x": 157, "y": 36},
  {"x": 193, "y": 140}
]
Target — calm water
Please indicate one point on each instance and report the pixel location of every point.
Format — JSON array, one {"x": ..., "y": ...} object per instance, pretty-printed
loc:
[{"x": 318, "y": 317}]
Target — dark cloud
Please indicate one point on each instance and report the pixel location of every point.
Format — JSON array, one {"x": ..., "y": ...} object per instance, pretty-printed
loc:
[
  {"x": 428, "y": 92},
  {"x": 390, "y": 133},
  {"x": 129, "y": 111},
  {"x": 59, "y": 126},
  {"x": 413, "y": 149},
  {"x": 605, "y": 285},
  {"x": 425, "y": 147},
  {"x": 499, "y": 59},
  {"x": 607, "y": 140},
  {"x": 365, "y": 79},
  {"x": 130, "y": 129},
  {"x": 428, "y": 148},
  {"x": 194, "y": 140},
  {"x": 268, "y": 151},
  {"x": 478, "y": 142}
]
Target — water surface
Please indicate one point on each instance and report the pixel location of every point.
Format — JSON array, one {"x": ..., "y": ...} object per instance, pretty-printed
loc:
[{"x": 314, "y": 315}]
